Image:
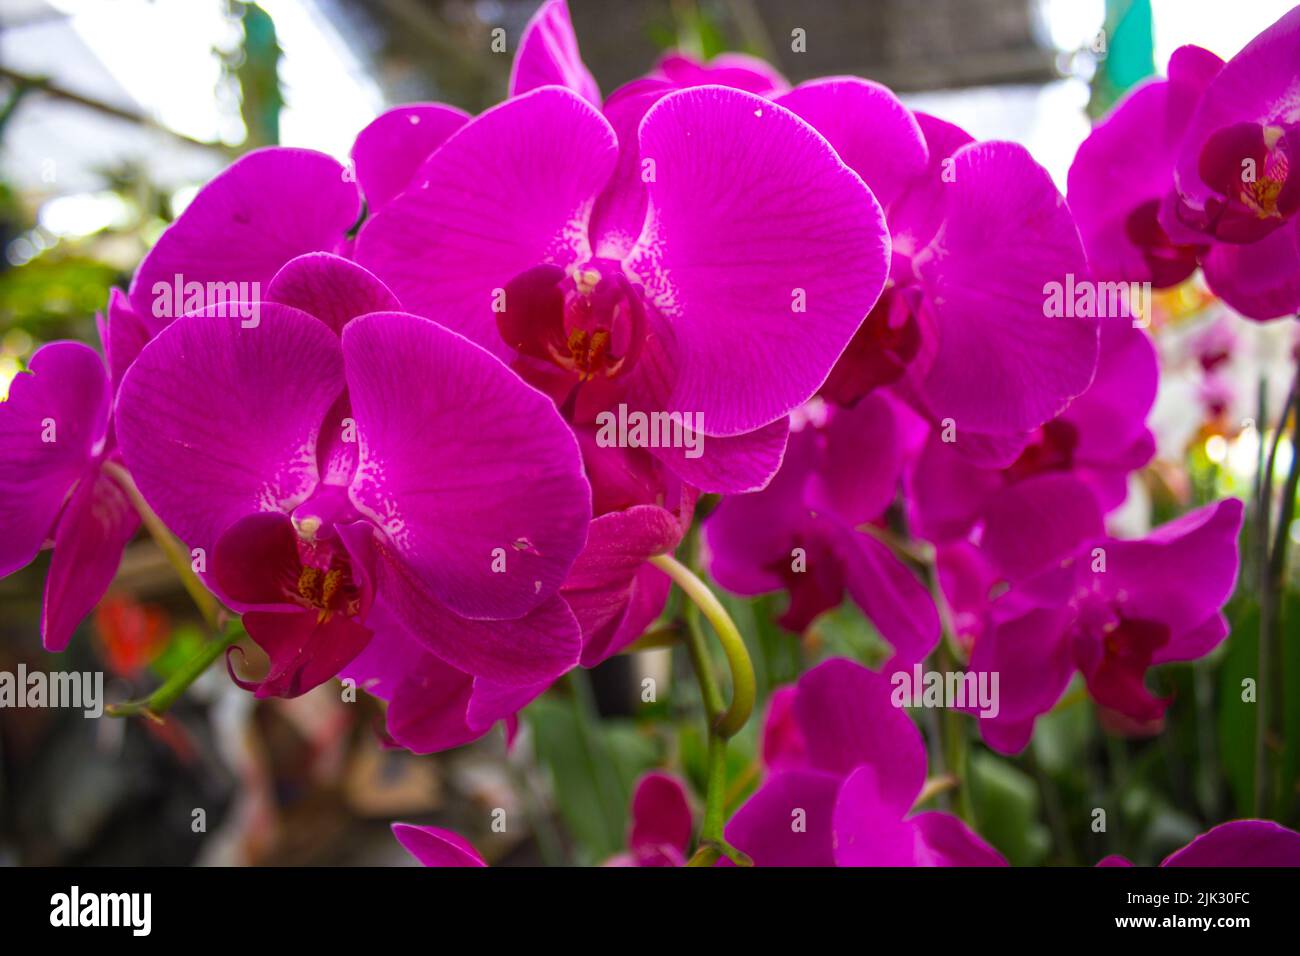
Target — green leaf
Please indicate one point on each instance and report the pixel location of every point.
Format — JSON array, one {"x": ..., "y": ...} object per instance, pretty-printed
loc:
[
  {"x": 1236, "y": 716},
  {"x": 1061, "y": 737},
  {"x": 1006, "y": 804},
  {"x": 845, "y": 632},
  {"x": 592, "y": 791},
  {"x": 1290, "y": 687}
]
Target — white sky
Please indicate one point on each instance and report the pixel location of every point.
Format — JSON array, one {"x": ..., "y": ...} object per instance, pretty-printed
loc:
[
  {"x": 161, "y": 52},
  {"x": 158, "y": 55},
  {"x": 1049, "y": 120}
]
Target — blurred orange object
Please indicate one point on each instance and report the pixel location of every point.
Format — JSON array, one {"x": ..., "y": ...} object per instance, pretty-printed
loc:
[{"x": 130, "y": 634}]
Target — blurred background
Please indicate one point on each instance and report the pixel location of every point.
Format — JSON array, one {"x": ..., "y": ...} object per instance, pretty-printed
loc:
[{"x": 113, "y": 112}]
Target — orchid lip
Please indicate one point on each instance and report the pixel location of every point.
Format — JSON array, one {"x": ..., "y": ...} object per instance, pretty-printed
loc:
[
  {"x": 588, "y": 320},
  {"x": 1248, "y": 166},
  {"x": 316, "y": 518}
]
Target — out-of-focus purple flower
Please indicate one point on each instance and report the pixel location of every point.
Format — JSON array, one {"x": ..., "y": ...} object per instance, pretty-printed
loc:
[
  {"x": 1123, "y": 172},
  {"x": 1099, "y": 439},
  {"x": 736, "y": 70},
  {"x": 1215, "y": 346},
  {"x": 660, "y": 831},
  {"x": 55, "y": 436},
  {"x": 432, "y": 706},
  {"x": 1236, "y": 177},
  {"x": 1201, "y": 168},
  {"x": 1235, "y": 843},
  {"x": 1109, "y": 610},
  {"x": 848, "y": 780},
  {"x": 549, "y": 56},
  {"x": 978, "y": 231},
  {"x": 434, "y": 846},
  {"x": 327, "y": 465},
  {"x": 807, "y": 532}
]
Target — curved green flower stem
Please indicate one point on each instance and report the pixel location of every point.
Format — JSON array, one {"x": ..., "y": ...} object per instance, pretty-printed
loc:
[
  {"x": 744, "y": 687},
  {"x": 157, "y": 703},
  {"x": 724, "y": 722},
  {"x": 176, "y": 555}
]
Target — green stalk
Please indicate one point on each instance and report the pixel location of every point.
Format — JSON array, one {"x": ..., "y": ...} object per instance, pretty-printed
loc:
[
  {"x": 172, "y": 549},
  {"x": 157, "y": 703},
  {"x": 724, "y": 722},
  {"x": 744, "y": 688},
  {"x": 1273, "y": 585}
]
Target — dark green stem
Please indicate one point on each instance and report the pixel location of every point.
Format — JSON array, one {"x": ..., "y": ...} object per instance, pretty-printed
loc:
[
  {"x": 157, "y": 703},
  {"x": 172, "y": 549},
  {"x": 723, "y": 722},
  {"x": 1273, "y": 585}
]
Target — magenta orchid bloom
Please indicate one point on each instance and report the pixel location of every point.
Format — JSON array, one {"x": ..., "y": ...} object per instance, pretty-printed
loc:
[
  {"x": 267, "y": 208},
  {"x": 1110, "y": 609},
  {"x": 736, "y": 70},
  {"x": 1236, "y": 182},
  {"x": 328, "y": 465},
  {"x": 660, "y": 831},
  {"x": 1199, "y": 168},
  {"x": 1123, "y": 171},
  {"x": 1076, "y": 466},
  {"x": 612, "y": 268},
  {"x": 264, "y": 210},
  {"x": 845, "y": 770},
  {"x": 434, "y": 846},
  {"x": 55, "y": 436},
  {"x": 977, "y": 229},
  {"x": 1099, "y": 440},
  {"x": 432, "y": 706},
  {"x": 613, "y": 593},
  {"x": 610, "y": 271},
  {"x": 807, "y": 532},
  {"x": 1235, "y": 843},
  {"x": 979, "y": 232}
]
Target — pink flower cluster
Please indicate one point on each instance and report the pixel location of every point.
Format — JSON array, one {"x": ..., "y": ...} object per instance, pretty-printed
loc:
[{"x": 394, "y": 457}]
